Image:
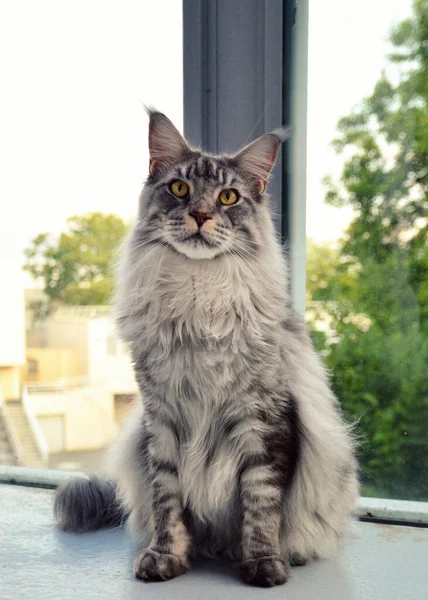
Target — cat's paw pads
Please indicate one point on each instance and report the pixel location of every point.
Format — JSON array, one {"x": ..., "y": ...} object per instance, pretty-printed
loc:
[
  {"x": 266, "y": 571},
  {"x": 155, "y": 566}
]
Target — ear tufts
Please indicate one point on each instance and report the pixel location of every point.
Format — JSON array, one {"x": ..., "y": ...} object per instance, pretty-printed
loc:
[
  {"x": 150, "y": 109},
  {"x": 166, "y": 144},
  {"x": 258, "y": 158},
  {"x": 283, "y": 133}
]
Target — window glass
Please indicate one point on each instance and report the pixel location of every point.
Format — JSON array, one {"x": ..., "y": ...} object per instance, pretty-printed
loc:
[
  {"x": 367, "y": 288},
  {"x": 73, "y": 153}
]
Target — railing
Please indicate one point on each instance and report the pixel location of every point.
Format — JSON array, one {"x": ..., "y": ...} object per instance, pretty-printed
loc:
[
  {"x": 34, "y": 425},
  {"x": 10, "y": 432},
  {"x": 59, "y": 385},
  {"x": 93, "y": 311}
]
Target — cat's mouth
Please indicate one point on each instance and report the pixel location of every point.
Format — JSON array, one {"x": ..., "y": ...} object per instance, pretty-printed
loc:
[
  {"x": 197, "y": 246},
  {"x": 199, "y": 239}
]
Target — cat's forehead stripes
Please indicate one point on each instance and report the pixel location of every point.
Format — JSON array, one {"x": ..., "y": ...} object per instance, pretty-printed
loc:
[{"x": 209, "y": 169}]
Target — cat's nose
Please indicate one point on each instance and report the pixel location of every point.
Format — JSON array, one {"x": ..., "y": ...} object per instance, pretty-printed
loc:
[{"x": 200, "y": 217}]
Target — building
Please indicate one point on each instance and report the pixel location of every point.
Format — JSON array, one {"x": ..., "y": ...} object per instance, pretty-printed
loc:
[
  {"x": 66, "y": 381},
  {"x": 12, "y": 336},
  {"x": 78, "y": 377}
]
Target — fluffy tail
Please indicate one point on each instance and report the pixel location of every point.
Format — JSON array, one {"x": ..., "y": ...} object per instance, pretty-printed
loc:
[{"x": 86, "y": 504}]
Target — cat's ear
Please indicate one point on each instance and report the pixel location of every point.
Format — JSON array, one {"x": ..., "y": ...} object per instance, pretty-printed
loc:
[
  {"x": 258, "y": 158},
  {"x": 166, "y": 144}
]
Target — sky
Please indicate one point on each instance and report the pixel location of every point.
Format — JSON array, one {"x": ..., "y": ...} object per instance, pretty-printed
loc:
[
  {"x": 75, "y": 74},
  {"x": 347, "y": 49}
]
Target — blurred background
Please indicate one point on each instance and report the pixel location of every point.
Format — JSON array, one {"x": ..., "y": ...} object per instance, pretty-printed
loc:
[{"x": 73, "y": 155}]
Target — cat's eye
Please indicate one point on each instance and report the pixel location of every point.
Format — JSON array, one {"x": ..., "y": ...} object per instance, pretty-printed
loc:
[
  {"x": 179, "y": 188},
  {"x": 228, "y": 197}
]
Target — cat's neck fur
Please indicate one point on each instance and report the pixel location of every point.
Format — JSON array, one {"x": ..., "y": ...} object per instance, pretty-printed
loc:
[{"x": 207, "y": 298}]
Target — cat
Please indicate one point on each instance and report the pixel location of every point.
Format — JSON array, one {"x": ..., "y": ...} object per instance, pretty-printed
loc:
[{"x": 238, "y": 448}]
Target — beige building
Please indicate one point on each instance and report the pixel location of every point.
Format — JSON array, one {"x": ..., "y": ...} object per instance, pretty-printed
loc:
[
  {"x": 78, "y": 378},
  {"x": 63, "y": 393},
  {"x": 79, "y": 341},
  {"x": 12, "y": 359},
  {"x": 12, "y": 337}
]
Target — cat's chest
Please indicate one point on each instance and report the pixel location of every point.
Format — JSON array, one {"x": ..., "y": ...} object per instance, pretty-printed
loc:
[
  {"x": 194, "y": 346},
  {"x": 217, "y": 440},
  {"x": 193, "y": 362}
]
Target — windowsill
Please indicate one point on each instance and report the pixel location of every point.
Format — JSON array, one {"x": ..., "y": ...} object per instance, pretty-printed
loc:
[
  {"x": 381, "y": 561},
  {"x": 383, "y": 509}
]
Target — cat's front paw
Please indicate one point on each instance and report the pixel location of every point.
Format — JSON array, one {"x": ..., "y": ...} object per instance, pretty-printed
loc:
[
  {"x": 266, "y": 571},
  {"x": 156, "y": 566}
]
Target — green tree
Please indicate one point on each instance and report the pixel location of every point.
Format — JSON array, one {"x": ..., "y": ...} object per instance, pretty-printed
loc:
[
  {"x": 76, "y": 267},
  {"x": 377, "y": 287}
]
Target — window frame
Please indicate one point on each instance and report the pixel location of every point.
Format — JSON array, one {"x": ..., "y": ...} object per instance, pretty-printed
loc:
[
  {"x": 269, "y": 41},
  {"x": 376, "y": 510}
]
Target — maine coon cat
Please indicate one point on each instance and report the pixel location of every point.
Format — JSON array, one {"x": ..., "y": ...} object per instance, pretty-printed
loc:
[{"x": 238, "y": 447}]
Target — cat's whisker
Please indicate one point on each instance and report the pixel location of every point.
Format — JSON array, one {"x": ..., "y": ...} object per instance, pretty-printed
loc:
[{"x": 243, "y": 251}]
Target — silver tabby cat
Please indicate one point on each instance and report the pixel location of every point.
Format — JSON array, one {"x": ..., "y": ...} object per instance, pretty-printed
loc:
[{"x": 238, "y": 447}]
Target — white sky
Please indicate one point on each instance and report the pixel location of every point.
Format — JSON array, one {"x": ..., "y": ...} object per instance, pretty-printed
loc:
[
  {"x": 74, "y": 75},
  {"x": 347, "y": 49}
]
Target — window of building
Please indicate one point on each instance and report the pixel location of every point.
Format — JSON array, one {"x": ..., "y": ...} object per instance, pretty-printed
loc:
[{"x": 33, "y": 366}]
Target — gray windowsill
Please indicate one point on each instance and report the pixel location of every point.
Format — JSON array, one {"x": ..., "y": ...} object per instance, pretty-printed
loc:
[{"x": 37, "y": 561}]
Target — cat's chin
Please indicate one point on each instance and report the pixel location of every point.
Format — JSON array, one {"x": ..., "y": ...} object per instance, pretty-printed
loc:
[{"x": 196, "y": 252}]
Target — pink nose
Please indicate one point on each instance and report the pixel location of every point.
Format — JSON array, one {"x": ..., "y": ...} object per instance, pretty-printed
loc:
[{"x": 200, "y": 217}]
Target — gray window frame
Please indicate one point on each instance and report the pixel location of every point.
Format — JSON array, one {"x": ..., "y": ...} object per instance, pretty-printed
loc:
[{"x": 245, "y": 73}]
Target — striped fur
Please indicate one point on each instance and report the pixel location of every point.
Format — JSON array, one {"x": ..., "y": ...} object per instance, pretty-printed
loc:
[{"x": 238, "y": 447}]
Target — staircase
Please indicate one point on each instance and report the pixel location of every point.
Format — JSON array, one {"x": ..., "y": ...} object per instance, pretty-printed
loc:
[
  {"x": 7, "y": 455},
  {"x": 30, "y": 454}
]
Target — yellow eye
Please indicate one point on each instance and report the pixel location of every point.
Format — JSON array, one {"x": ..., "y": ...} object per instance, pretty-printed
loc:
[
  {"x": 179, "y": 188},
  {"x": 228, "y": 197}
]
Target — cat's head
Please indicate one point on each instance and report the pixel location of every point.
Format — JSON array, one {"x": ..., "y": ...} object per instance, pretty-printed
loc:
[{"x": 204, "y": 206}]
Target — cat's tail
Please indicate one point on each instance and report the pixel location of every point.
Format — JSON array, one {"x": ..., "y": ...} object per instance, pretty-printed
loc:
[{"x": 86, "y": 504}]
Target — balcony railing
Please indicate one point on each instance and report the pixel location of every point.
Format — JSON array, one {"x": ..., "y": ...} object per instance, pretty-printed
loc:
[
  {"x": 37, "y": 432},
  {"x": 59, "y": 385}
]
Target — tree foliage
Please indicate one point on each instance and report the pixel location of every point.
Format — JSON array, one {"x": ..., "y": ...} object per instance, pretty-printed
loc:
[
  {"x": 76, "y": 267},
  {"x": 376, "y": 287}
]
